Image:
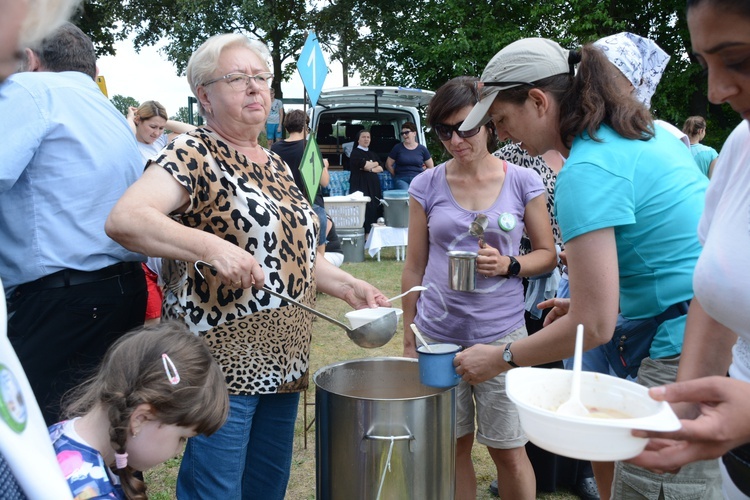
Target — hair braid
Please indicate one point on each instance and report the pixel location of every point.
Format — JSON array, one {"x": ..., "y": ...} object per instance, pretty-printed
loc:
[{"x": 119, "y": 414}]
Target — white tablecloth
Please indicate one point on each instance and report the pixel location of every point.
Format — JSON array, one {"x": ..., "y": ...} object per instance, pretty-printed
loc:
[{"x": 384, "y": 236}]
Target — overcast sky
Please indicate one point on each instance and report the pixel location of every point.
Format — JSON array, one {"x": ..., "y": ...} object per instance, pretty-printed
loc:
[{"x": 148, "y": 75}]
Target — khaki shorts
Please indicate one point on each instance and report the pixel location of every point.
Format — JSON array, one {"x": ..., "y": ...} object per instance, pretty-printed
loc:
[
  {"x": 696, "y": 481},
  {"x": 497, "y": 423}
]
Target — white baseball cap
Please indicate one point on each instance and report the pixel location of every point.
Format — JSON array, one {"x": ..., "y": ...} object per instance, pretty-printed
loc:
[{"x": 522, "y": 62}]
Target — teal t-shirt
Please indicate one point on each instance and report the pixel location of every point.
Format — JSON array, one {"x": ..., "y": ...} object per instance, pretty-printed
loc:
[
  {"x": 652, "y": 195},
  {"x": 703, "y": 156}
]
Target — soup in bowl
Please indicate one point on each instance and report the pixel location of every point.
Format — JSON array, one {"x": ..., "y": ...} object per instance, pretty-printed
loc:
[{"x": 616, "y": 407}]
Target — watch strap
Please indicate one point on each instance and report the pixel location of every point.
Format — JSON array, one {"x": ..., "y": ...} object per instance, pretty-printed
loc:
[{"x": 508, "y": 355}]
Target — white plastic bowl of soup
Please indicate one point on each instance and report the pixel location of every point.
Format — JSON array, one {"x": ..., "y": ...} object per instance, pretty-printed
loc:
[
  {"x": 363, "y": 316},
  {"x": 616, "y": 407}
]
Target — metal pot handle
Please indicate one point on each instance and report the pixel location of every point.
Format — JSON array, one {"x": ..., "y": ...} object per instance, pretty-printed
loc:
[
  {"x": 387, "y": 466},
  {"x": 407, "y": 437}
]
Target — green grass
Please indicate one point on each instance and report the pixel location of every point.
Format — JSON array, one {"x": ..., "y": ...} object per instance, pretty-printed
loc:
[{"x": 330, "y": 345}]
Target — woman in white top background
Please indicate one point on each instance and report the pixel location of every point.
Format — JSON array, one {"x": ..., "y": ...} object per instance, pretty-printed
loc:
[{"x": 148, "y": 122}]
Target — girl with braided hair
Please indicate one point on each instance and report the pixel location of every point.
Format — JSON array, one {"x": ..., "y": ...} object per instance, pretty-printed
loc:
[{"x": 157, "y": 387}]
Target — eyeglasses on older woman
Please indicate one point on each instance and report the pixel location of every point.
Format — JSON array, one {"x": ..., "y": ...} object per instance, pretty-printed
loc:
[{"x": 241, "y": 81}]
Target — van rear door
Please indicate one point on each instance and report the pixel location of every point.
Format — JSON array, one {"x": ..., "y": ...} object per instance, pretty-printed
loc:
[{"x": 366, "y": 96}]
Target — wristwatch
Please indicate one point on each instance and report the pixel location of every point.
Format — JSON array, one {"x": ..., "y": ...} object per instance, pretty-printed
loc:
[
  {"x": 508, "y": 356},
  {"x": 515, "y": 267}
]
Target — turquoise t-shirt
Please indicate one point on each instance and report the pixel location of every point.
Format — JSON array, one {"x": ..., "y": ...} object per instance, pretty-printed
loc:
[
  {"x": 703, "y": 156},
  {"x": 652, "y": 195}
]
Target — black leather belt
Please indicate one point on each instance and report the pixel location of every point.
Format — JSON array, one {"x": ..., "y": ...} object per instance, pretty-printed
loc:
[
  {"x": 72, "y": 277},
  {"x": 737, "y": 462}
]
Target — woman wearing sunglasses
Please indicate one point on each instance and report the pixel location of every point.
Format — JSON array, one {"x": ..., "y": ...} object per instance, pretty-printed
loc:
[
  {"x": 443, "y": 203},
  {"x": 628, "y": 200},
  {"x": 407, "y": 159}
]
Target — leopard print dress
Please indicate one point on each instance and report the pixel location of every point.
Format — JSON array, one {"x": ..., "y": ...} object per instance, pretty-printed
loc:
[{"x": 261, "y": 343}]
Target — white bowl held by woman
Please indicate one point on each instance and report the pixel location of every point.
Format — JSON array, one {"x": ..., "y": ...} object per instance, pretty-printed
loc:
[
  {"x": 538, "y": 392},
  {"x": 363, "y": 316}
]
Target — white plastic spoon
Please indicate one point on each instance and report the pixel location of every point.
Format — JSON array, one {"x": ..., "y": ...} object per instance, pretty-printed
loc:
[
  {"x": 419, "y": 336},
  {"x": 417, "y": 288},
  {"x": 573, "y": 405}
]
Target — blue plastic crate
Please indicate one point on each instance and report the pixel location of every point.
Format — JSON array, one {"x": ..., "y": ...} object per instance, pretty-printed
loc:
[{"x": 386, "y": 181}]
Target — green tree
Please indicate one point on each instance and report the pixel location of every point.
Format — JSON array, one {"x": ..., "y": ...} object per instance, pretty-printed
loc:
[
  {"x": 280, "y": 24},
  {"x": 122, "y": 103},
  {"x": 338, "y": 25},
  {"x": 416, "y": 44},
  {"x": 424, "y": 44},
  {"x": 181, "y": 115},
  {"x": 99, "y": 20},
  {"x": 682, "y": 91}
]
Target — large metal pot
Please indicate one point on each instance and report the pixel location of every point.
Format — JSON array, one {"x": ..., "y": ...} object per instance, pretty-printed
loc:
[{"x": 381, "y": 434}]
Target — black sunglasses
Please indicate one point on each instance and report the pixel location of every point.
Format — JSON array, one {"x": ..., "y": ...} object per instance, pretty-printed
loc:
[
  {"x": 406, "y": 132},
  {"x": 445, "y": 132}
]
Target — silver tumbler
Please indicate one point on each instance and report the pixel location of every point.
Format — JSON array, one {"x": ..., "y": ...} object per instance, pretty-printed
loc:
[{"x": 462, "y": 270}]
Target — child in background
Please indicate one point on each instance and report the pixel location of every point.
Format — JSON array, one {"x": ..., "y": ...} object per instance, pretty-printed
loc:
[{"x": 156, "y": 388}]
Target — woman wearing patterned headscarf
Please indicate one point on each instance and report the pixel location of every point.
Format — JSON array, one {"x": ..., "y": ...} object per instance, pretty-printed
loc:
[
  {"x": 640, "y": 60},
  {"x": 642, "y": 63}
]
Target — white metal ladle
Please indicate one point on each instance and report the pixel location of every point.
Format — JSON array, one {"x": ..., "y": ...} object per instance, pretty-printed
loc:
[
  {"x": 417, "y": 288},
  {"x": 573, "y": 406}
]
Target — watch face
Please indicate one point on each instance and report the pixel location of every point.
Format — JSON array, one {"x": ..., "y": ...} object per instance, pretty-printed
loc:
[
  {"x": 507, "y": 356},
  {"x": 515, "y": 267}
]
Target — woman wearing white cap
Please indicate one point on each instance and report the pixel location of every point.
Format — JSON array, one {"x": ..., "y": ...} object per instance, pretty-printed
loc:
[
  {"x": 628, "y": 201},
  {"x": 641, "y": 63}
]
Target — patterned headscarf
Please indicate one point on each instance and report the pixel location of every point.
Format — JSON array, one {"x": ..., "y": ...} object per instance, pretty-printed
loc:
[{"x": 639, "y": 59}]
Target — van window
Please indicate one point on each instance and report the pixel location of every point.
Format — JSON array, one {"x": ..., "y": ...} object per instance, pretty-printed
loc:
[{"x": 337, "y": 134}]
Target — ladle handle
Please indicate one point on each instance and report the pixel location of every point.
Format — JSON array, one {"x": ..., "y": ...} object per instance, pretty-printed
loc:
[
  {"x": 575, "y": 391},
  {"x": 418, "y": 334},
  {"x": 307, "y": 308}
]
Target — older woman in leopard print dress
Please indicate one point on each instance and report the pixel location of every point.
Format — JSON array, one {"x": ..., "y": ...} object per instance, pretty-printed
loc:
[{"x": 215, "y": 195}]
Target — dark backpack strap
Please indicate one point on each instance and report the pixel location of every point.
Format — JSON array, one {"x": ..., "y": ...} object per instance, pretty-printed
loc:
[{"x": 673, "y": 311}]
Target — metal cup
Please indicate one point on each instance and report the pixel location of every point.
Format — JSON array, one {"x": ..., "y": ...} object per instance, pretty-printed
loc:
[{"x": 462, "y": 270}]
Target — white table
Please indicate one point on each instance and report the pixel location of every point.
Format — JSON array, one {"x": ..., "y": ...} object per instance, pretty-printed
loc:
[{"x": 384, "y": 236}]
